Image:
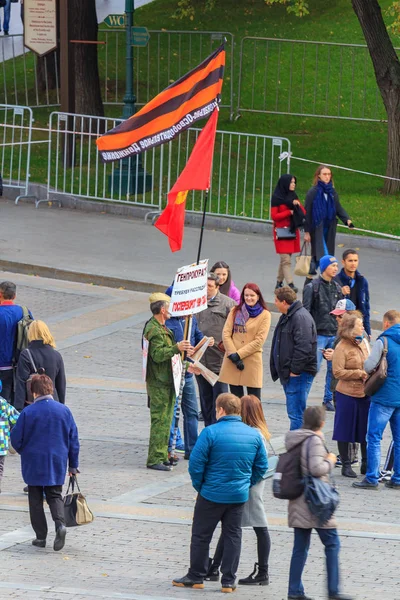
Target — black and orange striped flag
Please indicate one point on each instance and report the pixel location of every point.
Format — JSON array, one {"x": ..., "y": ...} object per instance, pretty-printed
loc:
[{"x": 194, "y": 96}]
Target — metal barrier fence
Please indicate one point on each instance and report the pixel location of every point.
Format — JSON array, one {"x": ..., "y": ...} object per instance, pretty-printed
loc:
[
  {"x": 15, "y": 147},
  {"x": 307, "y": 78},
  {"x": 168, "y": 55},
  {"x": 245, "y": 169}
]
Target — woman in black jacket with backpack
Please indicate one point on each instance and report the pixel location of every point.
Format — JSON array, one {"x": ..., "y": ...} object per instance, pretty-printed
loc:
[{"x": 40, "y": 356}]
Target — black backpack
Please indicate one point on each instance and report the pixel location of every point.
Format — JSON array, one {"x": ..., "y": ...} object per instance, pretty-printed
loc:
[{"x": 288, "y": 480}]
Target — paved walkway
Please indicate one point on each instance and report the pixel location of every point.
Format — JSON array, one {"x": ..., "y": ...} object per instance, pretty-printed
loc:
[
  {"x": 131, "y": 250},
  {"x": 140, "y": 537}
]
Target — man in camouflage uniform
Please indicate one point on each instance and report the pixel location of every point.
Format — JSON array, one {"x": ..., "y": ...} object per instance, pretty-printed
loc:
[{"x": 159, "y": 380}]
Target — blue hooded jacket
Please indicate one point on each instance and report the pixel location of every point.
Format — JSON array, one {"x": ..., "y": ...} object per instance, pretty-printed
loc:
[
  {"x": 388, "y": 394},
  {"x": 362, "y": 303},
  {"x": 177, "y": 326},
  {"x": 227, "y": 459}
]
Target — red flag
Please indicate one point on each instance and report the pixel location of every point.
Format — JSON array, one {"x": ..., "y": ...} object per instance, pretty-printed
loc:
[{"x": 195, "y": 176}]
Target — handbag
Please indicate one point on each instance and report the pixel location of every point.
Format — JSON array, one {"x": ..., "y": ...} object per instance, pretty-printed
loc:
[
  {"x": 303, "y": 261},
  {"x": 221, "y": 347},
  {"x": 378, "y": 376},
  {"x": 76, "y": 509},
  {"x": 322, "y": 497},
  {"x": 272, "y": 462},
  {"x": 284, "y": 233},
  {"x": 28, "y": 382}
]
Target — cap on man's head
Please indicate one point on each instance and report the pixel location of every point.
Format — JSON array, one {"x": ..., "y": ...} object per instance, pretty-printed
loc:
[
  {"x": 159, "y": 297},
  {"x": 325, "y": 261},
  {"x": 342, "y": 306}
]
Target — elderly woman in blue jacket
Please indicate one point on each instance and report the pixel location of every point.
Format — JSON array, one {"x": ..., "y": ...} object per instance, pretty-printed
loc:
[
  {"x": 46, "y": 437},
  {"x": 228, "y": 458}
]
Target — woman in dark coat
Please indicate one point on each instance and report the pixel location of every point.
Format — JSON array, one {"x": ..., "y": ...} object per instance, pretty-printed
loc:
[
  {"x": 322, "y": 209},
  {"x": 284, "y": 203},
  {"x": 45, "y": 358}
]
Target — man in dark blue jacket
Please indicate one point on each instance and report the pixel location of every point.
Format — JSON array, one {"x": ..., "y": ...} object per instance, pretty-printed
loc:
[
  {"x": 10, "y": 315},
  {"x": 228, "y": 458},
  {"x": 293, "y": 356},
  {"x": 355, "y": 286}
]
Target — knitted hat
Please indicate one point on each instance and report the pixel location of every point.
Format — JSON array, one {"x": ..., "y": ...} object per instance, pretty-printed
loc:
[
  {"x": 325, "y": 261},
  {"x": 342, "y": 306}
]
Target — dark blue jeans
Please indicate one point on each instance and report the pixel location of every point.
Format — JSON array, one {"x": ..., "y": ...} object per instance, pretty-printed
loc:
[
  {"x": 296, "y": 392},
  {"x": 379, "y": 417},
  {"x": 208, "y": 396},
  {"x": 7, "y": 12},
  {"x": 323, "y": 342},
  {"x": 190, "y": 413},
  {"x": 330, "y": 539}
]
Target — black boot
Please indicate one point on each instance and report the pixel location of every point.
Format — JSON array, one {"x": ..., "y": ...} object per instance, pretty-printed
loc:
[
  {"x": 261, "y": 578},
  {"x": 347, "y": 471},
  {"x": 213, "y": 572},
  {"x": 279, "y": 284},
  {"x": 363, "y": 469}
]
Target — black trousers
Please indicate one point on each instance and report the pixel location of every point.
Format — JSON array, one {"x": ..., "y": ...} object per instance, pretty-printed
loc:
[
  {"x": 7, "y": 379},
  {"x": 238, "y": 390},
  {"x": 36, "y": 509},
  {"x": 206, "y": 517},
  {"x": 208, "y": 397}
]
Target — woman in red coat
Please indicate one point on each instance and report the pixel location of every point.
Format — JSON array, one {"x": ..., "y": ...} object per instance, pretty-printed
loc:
[{"x": 284, "y": 203}]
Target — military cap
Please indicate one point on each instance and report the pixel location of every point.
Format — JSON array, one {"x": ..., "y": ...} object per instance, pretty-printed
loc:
[{"x": 159, "y": 297}]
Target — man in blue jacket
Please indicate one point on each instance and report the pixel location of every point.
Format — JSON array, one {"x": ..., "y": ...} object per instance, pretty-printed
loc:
[
  {"x": 46, "y": 437},
  {"x": 228, "y": 458},
  {"x": 385, "y": 404},
  {"x": 355, "y": 286},
  {"x": 189, "y": 400}
]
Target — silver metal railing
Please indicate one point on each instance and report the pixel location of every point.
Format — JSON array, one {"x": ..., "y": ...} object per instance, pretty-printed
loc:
[{"x": 307, "y": 78}]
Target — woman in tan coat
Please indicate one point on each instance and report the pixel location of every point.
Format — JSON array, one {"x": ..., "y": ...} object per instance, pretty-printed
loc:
[
  {"x": 244, "y": 335},
  {"x": 318, "y": 462},
  {"x": 352, "y": 405}
]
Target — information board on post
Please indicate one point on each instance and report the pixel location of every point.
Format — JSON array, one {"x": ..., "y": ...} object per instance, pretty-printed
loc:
[
  {"x": 40, "y": 26},
  {"x": 189, "y": 293}
]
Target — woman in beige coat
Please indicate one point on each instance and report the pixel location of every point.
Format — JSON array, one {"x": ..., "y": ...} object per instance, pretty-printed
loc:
[
  {"x": 319, "y": 464},
  {"x": 244, "y": 335},
  {"x": 352, "y": 405}
]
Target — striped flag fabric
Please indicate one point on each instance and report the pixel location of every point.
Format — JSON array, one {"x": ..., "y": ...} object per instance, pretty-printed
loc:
[
  {"x": 195, "y": 176},
  {"x": 194, "y": 96}
]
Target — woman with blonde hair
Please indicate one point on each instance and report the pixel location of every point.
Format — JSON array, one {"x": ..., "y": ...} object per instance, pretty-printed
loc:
[
  {"x": 352, "y": 405},
  {"x": 253, "y": 513},
  {"x": 40, "y": 357}
]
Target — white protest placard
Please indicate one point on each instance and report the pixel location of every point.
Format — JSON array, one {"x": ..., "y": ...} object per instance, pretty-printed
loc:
[
  {"x": 145, "y": 353},
  {"x": 177, "y": 370},
  {"x": 189, "y": 293}
]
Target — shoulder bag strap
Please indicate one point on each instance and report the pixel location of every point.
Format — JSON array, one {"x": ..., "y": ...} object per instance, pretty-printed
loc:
[{"x": 31, "y": 360}]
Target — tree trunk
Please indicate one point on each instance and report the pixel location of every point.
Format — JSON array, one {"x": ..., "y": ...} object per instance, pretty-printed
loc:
[
  {"x": 47, "y": 70},
  {"x": 387, "y": 72},
  {"x": 88, "y": 99}
]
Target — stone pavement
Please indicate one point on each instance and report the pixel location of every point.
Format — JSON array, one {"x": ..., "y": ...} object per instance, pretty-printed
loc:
[{"x": 140, "y": 537}]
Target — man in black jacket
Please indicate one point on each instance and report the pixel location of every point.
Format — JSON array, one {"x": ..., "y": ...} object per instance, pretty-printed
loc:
[
  {"x": 294, "y": 353},
  {"x": 320, "y": 298}
]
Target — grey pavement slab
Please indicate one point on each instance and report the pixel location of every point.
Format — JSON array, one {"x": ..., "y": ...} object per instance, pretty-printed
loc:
[{"x": 129, "y": 249}]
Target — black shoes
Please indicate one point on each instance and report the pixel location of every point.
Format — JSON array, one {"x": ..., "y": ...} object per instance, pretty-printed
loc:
[
  {"x": 188, "y": 582},
  {"x": 391, "y": 484},
  {"x": 59, "y": 540},
  {"x": 303, "y": 597},
  {"x": 39, "y": 543},
  {"x": 160, "y": 467},
  {"x": 293, "y": 287},
  {"x": 340, "y": 597},
  {"x": 279, "y": 284},
  {"x": 255, "y": 579},
  {"x": 213, "y": 572},
  {"x": 365, "y": 484},
  {"x": 363, "y": 468},
  {"x": 172, "y": 461}
]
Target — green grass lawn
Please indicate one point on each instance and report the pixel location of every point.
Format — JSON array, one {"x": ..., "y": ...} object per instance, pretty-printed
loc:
[{"x": 354, "y": 144}]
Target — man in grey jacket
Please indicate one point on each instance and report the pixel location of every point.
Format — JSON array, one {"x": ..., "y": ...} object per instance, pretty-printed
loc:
[{"x": 211, "y": 323}]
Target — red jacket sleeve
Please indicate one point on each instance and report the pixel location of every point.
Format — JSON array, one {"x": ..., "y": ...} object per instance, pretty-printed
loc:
[{"x": 278, "y": 216}]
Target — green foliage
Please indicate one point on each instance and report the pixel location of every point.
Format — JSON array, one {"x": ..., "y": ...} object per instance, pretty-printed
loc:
[
  {"x": 394, "y": 12},
  {"x": 297, "y": 7}
]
